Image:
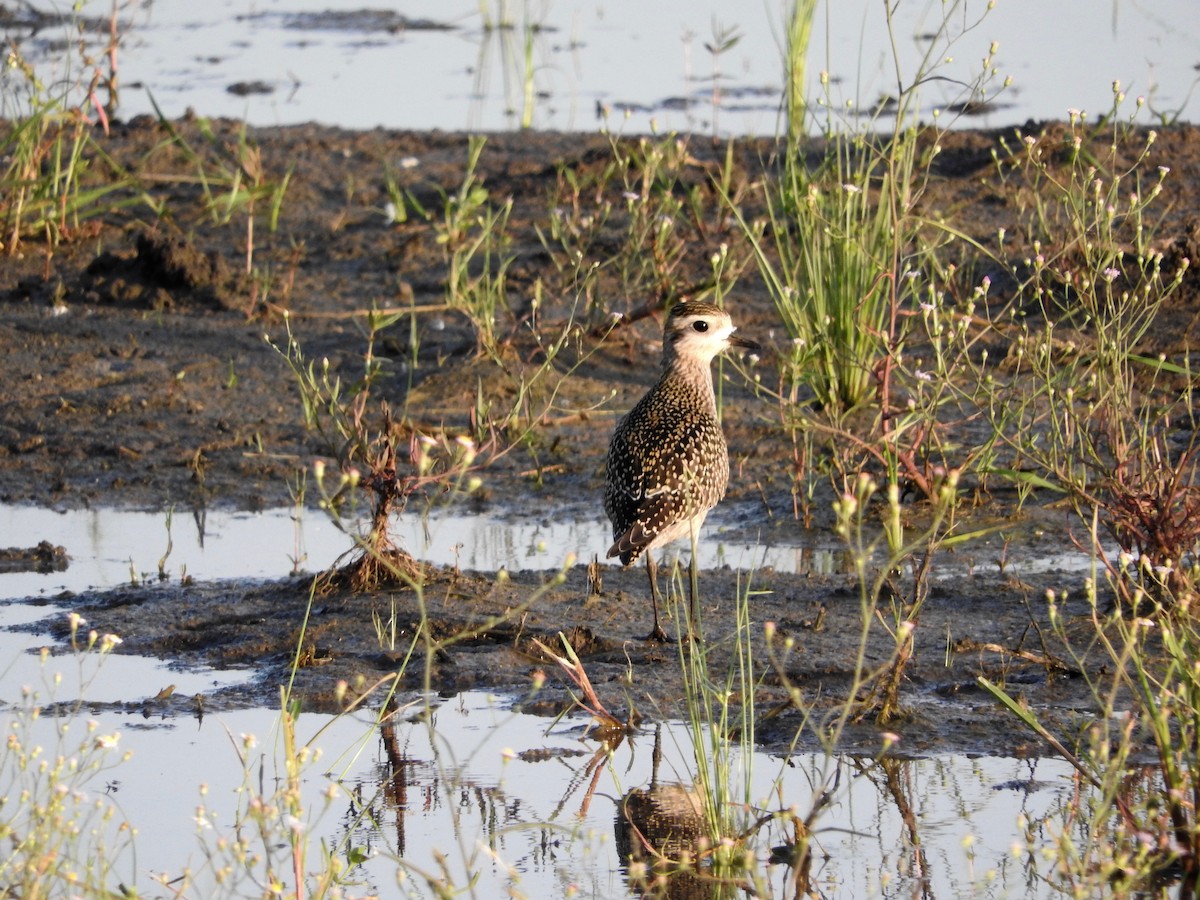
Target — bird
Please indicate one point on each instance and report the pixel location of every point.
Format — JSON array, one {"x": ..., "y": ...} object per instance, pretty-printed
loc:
[
  {"x": 667, "y": 463},
  {"x": 664, "y": 823}
]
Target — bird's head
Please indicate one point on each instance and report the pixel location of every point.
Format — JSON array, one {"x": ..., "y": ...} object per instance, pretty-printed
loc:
[{"x": 698, "y": 330}]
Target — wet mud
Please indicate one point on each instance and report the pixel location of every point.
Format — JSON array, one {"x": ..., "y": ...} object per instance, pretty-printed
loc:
[
  {"x": 138, "y": 373},
  {"x": 984, "y": 624}
]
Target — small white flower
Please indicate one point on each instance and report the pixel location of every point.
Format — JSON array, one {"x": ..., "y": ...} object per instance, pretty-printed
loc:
[
  {"x": 1111, "y": 274},
  {"x": 409, "y": 162},
  {"x": 922, "y": 376}
]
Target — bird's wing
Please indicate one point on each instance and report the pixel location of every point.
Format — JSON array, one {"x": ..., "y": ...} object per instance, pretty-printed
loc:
[
  {"x": 629, "y": 544},
  {"x": 649, "y": 493}
]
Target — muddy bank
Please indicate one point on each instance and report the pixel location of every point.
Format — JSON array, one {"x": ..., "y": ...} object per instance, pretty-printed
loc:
[
  {"x": 137, "y": 352},
  {"x": 982, "y": 624}
]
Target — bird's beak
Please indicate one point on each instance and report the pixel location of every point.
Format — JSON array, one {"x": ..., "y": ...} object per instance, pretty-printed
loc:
[{"x": 744, "y": 343}]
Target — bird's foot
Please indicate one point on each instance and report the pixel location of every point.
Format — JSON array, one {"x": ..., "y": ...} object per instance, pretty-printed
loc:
[{"x": 657, "y": 635}]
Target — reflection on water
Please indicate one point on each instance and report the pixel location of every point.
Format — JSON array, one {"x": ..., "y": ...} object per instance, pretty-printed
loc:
[
  {"x": 528, "y": 806},
  {"x": 109, "y": 547},
  {"x": 663, "y": 837}
]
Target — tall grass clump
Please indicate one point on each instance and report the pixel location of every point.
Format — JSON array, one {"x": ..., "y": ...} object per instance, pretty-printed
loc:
[
  {"x": 720, "y": 711},
  {"x": 1131, "y": 827},
  {"x": 1088, "y": 416},
  {"x": 55, "y": 177},
  {"x": 1085, "y": 411},
  {"x": 841, "y": 232},
  {"x": 798, "y": 24},
  {"x": 845, "y": 252},
  {"x": 473, "y": 232},
  {"x": 706, "y": 833},
  {"x": 837, "y": 244}
]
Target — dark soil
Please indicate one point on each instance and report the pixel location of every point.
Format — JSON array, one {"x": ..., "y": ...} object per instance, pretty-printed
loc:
[{"x": 137, "y": 374}]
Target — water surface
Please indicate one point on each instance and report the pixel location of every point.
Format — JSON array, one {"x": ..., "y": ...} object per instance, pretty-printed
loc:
[{"x": 633, "y": 66}]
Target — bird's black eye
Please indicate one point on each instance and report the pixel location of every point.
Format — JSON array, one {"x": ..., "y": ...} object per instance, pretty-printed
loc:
[{"x": 700, "y": 326}]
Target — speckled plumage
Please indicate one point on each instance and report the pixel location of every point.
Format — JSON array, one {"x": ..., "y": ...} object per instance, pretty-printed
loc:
[
  {"x": 667, "y": 467},
  {"x": 667, "y": 463}
]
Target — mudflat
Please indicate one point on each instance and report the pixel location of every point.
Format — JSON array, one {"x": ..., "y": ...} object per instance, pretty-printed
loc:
[{"x": 143, "y": 368}]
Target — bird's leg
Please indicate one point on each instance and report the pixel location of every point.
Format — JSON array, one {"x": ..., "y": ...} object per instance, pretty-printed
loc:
[
  {"x": 656, "y": 633},
  {"x": 693, "y": 599}
]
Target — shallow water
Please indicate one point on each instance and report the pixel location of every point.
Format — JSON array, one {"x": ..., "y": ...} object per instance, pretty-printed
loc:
[
  {"x": 110, "y": 547},
  {"x": 529, "y": 806},
  {"x": 523, "y": 801},
  {"x": 645, "y": 64}
]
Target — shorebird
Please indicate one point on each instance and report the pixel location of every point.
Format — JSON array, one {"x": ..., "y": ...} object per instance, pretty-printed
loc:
[{"x": 667, "y": 462}]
